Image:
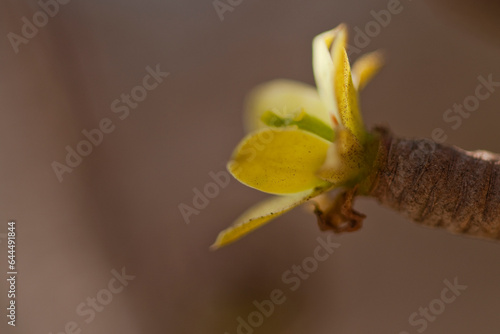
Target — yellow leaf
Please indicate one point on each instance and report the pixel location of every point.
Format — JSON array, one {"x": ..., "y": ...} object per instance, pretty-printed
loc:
[
  {"x": 323, "y": 67},
  {"x": 279, "y": 160},
  {"x": 261, "y": 214},
  {"x": 344, "y": 91},
  {"x": 365, "y": 68},
  {"x": 285, "y": 98}
]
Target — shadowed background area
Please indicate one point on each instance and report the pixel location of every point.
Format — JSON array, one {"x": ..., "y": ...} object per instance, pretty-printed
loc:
[{"x": 119, "y": 207}]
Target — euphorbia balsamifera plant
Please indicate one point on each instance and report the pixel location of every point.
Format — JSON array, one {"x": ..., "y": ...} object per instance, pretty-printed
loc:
[{"x": 304, "y": 142}]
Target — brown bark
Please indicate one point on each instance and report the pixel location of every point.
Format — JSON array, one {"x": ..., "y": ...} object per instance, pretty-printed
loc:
[{"x": 439, "y": 185}]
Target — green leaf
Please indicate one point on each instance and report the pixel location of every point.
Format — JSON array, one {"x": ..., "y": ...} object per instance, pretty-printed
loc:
[
  {"x": 285, "y": 98},
  {"x": 303, "y": 121}
]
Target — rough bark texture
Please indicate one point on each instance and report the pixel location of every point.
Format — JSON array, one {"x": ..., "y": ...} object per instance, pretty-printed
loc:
[{"x": 439, "y": 185}]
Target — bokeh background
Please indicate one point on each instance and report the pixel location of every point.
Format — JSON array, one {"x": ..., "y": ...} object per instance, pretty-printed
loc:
[{"x": 120, "y": 207}]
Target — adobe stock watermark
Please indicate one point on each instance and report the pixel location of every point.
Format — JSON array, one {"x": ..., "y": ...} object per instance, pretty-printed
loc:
[
  {"x": 381, "y": 19},
  {"x": 454, "y": 116},
  {"x": 201, "y": 198},
  {"x": 222, "y": 6},
  {"x": 420, "y": 319},
  {"x": 30, "y": 28},
  {"x": 293, "y": 278},
  {"x": 88, "y": 309},
  {"x": 122, "y": 107},
  {"x": 221, "y": 179}
]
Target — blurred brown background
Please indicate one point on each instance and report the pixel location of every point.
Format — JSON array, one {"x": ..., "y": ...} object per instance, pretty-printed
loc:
[{"x": 119, "y": 207}]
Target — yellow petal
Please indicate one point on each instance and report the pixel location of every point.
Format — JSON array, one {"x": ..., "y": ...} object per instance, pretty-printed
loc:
[
  {"x": 279, "y": 160},
  {"x": 365, "y": 68},
  {"x": 323, "y": 67},
  {"x": 262, "y": 213},
  {"x": 285, "y": 98},
  {"x": 346, "y": 95}
]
